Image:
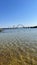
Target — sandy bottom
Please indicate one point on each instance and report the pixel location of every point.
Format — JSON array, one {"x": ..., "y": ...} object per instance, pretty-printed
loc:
[{"x": 18, "y": 54}]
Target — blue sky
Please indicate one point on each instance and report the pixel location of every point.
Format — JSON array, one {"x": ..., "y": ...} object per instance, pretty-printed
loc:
[{"x": 13, "y": 12}]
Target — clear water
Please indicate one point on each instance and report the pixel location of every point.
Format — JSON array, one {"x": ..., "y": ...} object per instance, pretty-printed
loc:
[
  {"x": 26, "y": 35},
  {"x": 25, "y": 39}
]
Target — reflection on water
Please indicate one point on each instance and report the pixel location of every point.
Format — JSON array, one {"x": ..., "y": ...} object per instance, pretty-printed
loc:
[{"x": 18, "y": 47}]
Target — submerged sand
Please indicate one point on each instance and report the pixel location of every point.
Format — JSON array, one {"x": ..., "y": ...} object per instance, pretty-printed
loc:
[{"x": 16, "y": 53}]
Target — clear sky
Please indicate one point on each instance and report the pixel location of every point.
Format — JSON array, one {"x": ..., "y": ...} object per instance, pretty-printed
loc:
[{"x": 13, "y": 12}]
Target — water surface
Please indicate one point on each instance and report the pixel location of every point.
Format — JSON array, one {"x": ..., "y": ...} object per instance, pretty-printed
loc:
[{"x": 18, "y": 47}]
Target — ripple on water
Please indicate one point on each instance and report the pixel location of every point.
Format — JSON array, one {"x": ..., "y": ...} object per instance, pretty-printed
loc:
[{"x": 15, "y": 53}]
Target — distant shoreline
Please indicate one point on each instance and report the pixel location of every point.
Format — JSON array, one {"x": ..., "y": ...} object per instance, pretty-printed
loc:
[
  {"x": 1, "y": 29},
  {"x": 19, "y": 27}
]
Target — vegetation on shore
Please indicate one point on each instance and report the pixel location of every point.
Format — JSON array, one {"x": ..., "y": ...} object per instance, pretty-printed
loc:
[{"x": 1, "y": 29}]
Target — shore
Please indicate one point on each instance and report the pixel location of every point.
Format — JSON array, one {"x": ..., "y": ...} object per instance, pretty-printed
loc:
[{"x": 1, "y": 29}]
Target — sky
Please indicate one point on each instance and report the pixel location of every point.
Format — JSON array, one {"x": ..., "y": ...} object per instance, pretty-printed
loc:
[{"x": 14, "y": 12}]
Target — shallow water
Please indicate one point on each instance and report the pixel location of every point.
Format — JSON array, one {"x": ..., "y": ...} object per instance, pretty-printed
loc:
[{"x": 18, "y": 47}]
